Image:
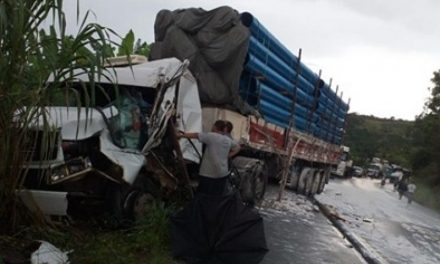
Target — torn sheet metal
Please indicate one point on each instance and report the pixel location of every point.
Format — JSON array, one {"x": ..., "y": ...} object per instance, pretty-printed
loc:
[
  {"x": 148, "y": 74},
  {"x": 76, "y": 123},
  {"x": 131, "y": 161},
  {"x": 189, "y": 114}
]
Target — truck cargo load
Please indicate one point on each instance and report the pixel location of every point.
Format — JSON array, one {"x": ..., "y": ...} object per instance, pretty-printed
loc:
[{"x": 240, "y": 65}]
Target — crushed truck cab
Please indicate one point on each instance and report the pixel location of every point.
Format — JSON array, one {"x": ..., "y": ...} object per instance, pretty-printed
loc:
[{"x": 107, "y": 157}]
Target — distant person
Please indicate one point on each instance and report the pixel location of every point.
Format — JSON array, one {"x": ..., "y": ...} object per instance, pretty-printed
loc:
[
  {"x": 383, "y": 181},
  {"x": 410, "y": 193},
  {"x": 402, "y": 188},
  {"x": 397, "y": 177}
]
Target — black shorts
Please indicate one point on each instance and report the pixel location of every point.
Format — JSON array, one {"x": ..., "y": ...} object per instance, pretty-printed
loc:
[{"x": 213, "y": 186}]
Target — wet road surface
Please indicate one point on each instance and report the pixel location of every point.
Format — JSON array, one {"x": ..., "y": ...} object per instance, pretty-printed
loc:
[
  {"x": 297, "y": 232},
  {"x": 397, "y": 231}
]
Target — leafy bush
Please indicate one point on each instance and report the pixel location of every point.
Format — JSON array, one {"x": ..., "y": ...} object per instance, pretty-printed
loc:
[{"x": 31, "y": 56}]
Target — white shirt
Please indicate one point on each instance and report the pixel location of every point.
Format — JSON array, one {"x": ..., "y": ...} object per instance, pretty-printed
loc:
[{"x": 411, "y": 187}]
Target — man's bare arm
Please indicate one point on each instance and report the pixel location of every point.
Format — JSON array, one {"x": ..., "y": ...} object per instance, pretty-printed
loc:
[
  {"x": 234, "y": 151},
  {"x": 187, "y": 135}
]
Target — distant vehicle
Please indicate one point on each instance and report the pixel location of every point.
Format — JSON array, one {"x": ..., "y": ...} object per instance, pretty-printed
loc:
[
  {"x": 374, "y": 170},
  {"x": 344, "y": 167},
  {"x": 358, "y": 171},
  {"x": 396, "y": 176}
]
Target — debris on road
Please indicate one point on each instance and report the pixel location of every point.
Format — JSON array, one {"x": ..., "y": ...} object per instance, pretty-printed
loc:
[
  {"x": 316, "y": 208},
  {"x": 331, "y": 212},
  {"x": 49, "y": 254}
]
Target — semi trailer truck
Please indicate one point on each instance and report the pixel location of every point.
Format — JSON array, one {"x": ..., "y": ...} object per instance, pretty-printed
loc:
[
  {"x": 284, "y": 115},
  {"x": 203, "y": 66}
]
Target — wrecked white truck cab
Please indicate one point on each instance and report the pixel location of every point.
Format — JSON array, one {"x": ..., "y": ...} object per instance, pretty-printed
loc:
[{"x": 106, "y": 157}]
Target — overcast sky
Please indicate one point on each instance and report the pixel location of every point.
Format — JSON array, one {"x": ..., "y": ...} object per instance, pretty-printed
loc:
[{"x": 381, "y": 53}]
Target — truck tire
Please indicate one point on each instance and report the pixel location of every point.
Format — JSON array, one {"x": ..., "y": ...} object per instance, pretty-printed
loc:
[
  {"x": 321, "y": 183},
  {"x": 137, "y": 204},
  {"x": 292, "y": 180},
  {"x": 114, "y": 204},
  {"x": 127, "y": 204},
  {"x": 259, "y": 187},
  {"x": 302, "y": 181},
  {"x": 309, "y": 182},
  {"x": 252, "y": 179},
  {"x": 316, "y": 182},
  {"x": 324, "y": 180}
]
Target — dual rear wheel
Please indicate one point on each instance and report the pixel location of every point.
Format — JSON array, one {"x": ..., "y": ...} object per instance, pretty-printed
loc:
[{"x": 308, "y": 181}]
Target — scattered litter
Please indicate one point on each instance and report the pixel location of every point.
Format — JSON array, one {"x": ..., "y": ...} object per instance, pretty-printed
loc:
[
  {"x": 331, "y": 212},
  {"x": 316, "y": 208},
  {"x": 367, "y": 220},
  {"x": 49, "y": 254}
]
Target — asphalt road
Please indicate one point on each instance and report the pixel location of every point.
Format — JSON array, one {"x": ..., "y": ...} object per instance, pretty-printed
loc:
[
  {"x": 297, "y": 232},
  {"x": 397, "y": 231}
]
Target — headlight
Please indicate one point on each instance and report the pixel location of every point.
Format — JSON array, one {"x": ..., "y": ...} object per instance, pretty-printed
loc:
[{"x": 71, "y": 169}]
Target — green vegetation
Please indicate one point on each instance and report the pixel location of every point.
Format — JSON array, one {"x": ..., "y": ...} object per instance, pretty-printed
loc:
[
  {"x": 369, "y": 136},
  {"x": 415, "y": 145},
  {"x": 37, "y": 66},
  {"x": 128, "y": 46},
  {"x": 146, "y": 242},
  {"x": 31, "y": 55},
  {"x": 426, "y": 157}
]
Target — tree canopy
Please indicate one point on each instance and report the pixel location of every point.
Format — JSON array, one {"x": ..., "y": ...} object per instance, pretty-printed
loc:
[{"x": 426, "y": 140}]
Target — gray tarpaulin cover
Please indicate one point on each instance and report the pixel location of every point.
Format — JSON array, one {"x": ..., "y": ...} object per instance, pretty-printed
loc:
[{"x": 216, "y": 44}]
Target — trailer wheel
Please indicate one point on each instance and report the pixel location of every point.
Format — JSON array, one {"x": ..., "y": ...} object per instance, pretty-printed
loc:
[
  {"x": 321, "y": 182},
  {"x": 324, "y": 180},
  {"x": 302, "y": 181},
  {"x": 252, "y": 179},
  {"x": 259, "y": 186},
  {"x": 316, "y": 182},
  {"x": 309, "y": 182},
  {"x": 292, "y": 181}
]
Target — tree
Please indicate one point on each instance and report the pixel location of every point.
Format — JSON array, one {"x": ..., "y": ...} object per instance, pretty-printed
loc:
[
  {"x": 142, "y": 48},
  {"x": 433, "y": 103},
  {"x": 427, "y": 136},
  {"x": 128, "y": 46},
  {"x": 31, "y": 56}
]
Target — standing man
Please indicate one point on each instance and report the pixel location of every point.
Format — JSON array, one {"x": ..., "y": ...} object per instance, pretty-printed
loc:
[
  {"x": 213, "y": 170},
  {"x": 402, "y": 187},
  {"x": 215, "y": 215}
]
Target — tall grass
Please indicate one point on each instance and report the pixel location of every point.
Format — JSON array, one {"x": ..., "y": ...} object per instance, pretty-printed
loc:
[
  {"x": 146, "y": 242},
  {"x": 30, "y": 56},
  {"x": 428, "y": 195}
]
